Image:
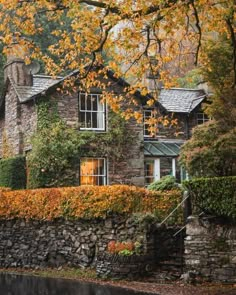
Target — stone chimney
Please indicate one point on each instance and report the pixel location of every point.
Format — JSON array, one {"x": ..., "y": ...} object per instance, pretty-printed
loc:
[{"x": 15, "y": 66}]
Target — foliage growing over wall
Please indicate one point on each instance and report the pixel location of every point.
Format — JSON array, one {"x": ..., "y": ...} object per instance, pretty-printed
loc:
[
  {"x": 85, "y": 202},
  {"x": 13, "y": 172},
  {"x": 55, "y": 156},
  {"x": 215, "y": 195},
  {"x": 7, "y": 151},
  {"x": 57, "y": 148}
]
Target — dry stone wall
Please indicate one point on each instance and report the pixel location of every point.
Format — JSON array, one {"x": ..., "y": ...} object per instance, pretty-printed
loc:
[
  {"x": 210, "y": 249},
  {"x": 60, "y": 242}
]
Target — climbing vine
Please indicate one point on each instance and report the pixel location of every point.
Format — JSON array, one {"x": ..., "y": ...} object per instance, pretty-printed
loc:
[{"x": 57, "y": 148}]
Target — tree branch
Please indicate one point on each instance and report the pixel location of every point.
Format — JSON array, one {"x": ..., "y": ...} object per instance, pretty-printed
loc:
[
  {"x": 137, "y": 13},
  {"x": 233, "y": 40},
  {"x": 195, "y": 13}
]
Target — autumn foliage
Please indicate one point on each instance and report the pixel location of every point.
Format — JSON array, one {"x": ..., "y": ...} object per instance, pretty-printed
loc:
[
  {"x": 85, "y": 202},
  {"x": 115, "y": 247}
]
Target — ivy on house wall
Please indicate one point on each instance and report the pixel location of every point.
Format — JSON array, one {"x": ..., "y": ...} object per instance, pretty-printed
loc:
[
  {"x": 57, "y": 148},
  {"x": 7, "y": 150},
  {"x": 113, "y": 143}
]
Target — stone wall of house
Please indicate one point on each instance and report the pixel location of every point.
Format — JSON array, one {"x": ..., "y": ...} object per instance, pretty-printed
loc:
[
  {"x": 20, "y": 122},
  {"x": 129, "y": 170},
  {"x": 210, "y": 249},
  {"x": 28, "y": 123},
  {"x": 2, "y": 126},
  {"x": 177, "y": 131},
  {"x": 67, "y": 106},
  {"x": 60, "y": 242},
  {"x": 13, "y": 135}
]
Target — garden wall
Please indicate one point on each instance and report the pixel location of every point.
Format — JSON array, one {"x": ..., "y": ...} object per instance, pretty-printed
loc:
[
  {"x": 60, "y": 242},
  {"x": 210, "y": 249}
]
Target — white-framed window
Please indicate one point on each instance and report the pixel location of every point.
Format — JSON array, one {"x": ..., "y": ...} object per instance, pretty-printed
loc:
[
  {"x": 156, "y": 168},
  {"x": 147, "y": 114},
  {"x": 151, "y": 170},
  {"x": 92, "y": 112},
  {"x": 93, "y": 171},
  {"x": 202, "y": 118}
]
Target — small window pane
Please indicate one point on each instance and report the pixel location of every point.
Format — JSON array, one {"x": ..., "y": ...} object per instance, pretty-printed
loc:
[
  {"x": 94, "y": 120},
  {"x": 165, "y": 166},
  {"x": 82, "y": 102},
  {"x": 149, "y": 172},
  {"x": 89, "y": 104},
  {"x": 95, "y": 103},
  {"x": 82, "y": 120},
  {"x": 101, "y": 167},
  {"x": 89, "y": 120}
]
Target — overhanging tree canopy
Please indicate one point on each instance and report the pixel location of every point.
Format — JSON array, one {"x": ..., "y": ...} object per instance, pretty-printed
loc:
[{"x": 125, "y": 35}]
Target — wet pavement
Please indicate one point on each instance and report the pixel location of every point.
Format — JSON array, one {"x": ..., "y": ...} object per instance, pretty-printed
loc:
[{"x": 12, "y": 284}]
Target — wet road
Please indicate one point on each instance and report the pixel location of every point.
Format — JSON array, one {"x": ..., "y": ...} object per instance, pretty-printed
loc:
[{"x": 11, "y": 284}]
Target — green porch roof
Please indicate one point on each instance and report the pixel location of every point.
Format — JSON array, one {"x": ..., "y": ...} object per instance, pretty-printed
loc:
[{"x": 162, "y": 149}]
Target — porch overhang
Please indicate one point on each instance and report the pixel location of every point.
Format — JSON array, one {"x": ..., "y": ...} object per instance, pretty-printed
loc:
[{"x": 162, "y": 149}]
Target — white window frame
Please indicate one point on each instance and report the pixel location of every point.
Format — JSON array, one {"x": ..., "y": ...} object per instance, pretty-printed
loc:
[
  {"x": 104, "y": 175},
  {"x": 146, "y": 133},
  {"x": 157, "y": 168},
  {"x": 88, "y": 112}
]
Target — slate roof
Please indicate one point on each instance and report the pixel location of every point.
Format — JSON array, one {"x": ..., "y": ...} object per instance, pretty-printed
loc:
[
  {"x": 41, "y": 83},
  {"x": 165, "y": 149},
  {"x": 177, "y": 100},
  {"x": 181, "y": 100}
]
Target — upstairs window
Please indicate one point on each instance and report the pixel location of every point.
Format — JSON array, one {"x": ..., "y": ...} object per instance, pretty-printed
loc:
[
  {"x": 93, "y": 171},
  {"x": 202, "y": 118},
  {"x": 148, "y": 114},
  {"x": 92, "y": 112}
]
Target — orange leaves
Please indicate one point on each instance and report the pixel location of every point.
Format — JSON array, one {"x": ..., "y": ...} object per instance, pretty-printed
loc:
[
  {"x": 117, "y": 247},
  {"x": 84, "y": 202}
]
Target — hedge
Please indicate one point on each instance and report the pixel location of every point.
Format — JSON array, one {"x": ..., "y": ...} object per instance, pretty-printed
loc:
[
  {"x": 216, "y": 196},
  {"x": 13, "y": 172},
  {"x": 85, "y": 202}
]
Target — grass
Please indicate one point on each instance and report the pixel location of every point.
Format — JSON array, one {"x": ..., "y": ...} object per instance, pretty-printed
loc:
[{"x": 65, "y": 273}]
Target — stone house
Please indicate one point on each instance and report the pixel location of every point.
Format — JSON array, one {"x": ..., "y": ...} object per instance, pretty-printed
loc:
[
  {"x": 146, "y": 159},
  {"x": 162, "y": 150}
]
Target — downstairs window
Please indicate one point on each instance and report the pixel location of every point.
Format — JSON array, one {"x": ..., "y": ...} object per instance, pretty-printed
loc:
[{"x": 93, "y": 171}]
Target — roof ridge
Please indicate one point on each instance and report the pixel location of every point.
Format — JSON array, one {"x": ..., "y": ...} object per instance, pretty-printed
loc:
[
  {"x": 47, "y": 76},
  {"x": 183, "y": 89}
]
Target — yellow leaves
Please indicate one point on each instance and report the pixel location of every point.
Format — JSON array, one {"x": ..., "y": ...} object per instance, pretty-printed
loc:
[
  {"x": 150, "y": 102},
  {"x": 170, "y": 35},
  {"x": 138, "y": 117},
  {"x": 82, "y": 202}
]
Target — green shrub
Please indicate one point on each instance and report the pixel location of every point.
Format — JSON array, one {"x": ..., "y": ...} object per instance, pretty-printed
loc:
[
  {"x": 215, "y": 195},
  {"x": 164, "y": 184},
  {"x": 13, "y": 172}
]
